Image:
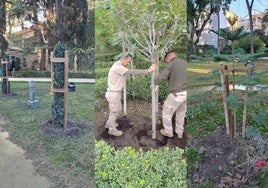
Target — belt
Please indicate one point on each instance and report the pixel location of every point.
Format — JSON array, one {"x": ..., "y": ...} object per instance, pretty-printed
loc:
[{"x": 182, "y": 93}]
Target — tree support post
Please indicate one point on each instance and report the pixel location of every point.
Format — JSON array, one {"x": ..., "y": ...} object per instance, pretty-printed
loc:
[
  {"x": 225, "y": 103},
  {"x": 63, "y": 90},
  {"x": 5, "y": 82},
  {"x": 153, "y": 106},
  {"x": 245, "y": 113},
  {"x": 125, "y": 98}
]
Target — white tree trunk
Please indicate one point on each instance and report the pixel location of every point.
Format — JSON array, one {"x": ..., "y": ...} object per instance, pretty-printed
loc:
[{"x": 153, "y": 106}]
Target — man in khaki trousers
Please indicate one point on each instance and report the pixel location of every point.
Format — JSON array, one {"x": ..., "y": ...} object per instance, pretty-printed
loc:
[
  {"x": 175, "y": 74},
  {"x": 116, "y": 82}
]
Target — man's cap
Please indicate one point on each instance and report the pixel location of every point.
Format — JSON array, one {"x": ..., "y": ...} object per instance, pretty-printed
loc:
[
  {"x": 124, "y": 55},
  {"x": 166, "y": 54}
]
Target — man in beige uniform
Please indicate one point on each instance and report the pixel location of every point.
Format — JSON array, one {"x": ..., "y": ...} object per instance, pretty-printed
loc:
[
  {"x": 176, "y": 102},
  {"x": 116, "y": 82}
]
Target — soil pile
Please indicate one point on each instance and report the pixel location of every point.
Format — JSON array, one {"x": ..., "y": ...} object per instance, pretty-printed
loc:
[
  {"x": 136, "y": 127},
  {"x": 228, "y": 164}
]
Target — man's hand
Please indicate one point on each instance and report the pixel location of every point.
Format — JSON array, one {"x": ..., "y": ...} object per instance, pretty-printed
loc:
[
  {"x": 156, "y": 88},
  {"x": 152, "y": 68}
]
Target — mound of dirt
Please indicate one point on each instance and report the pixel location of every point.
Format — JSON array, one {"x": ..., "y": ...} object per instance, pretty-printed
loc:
[
  {"x": 73, "y": 129},
  {"x": 136, "y": 127},
  {"x": 226, "y": 163}
]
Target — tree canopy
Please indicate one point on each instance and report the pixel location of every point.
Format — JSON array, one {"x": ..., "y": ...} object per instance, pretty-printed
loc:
[
  {"x": 146, "y": 27},
  {"x": 199, "y": 13},
  {"x": 71, "y": 22}
]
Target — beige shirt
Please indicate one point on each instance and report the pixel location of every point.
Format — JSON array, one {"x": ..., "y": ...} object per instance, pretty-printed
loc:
[{"x": 117, "y": 77}]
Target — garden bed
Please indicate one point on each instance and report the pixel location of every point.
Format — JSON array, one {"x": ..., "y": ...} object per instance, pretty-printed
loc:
[
  {"x": 136, "y": 127},
  {"x": 214, "y": 161}
]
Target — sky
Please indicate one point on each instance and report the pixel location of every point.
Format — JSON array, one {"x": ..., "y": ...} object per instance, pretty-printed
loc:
[{"x": 239, "y": 7}]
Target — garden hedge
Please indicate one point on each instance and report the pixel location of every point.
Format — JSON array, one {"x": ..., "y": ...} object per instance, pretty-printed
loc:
[{"x": 129, "y": 168}]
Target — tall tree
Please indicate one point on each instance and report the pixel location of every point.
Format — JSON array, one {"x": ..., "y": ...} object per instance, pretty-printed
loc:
[
  {"x": 3, "y": 42},
  {"x": 231, "y": 35},
  {"x": 199, "y": 13},
  {"x": 150, "y": 28},
  {"x": 249, "y": 7}
]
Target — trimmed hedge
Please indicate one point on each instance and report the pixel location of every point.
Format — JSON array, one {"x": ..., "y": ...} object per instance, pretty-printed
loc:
[
  {"x": 100, "y": 87},
  {"x": 102, "y": 64},
  {"x": 101, "y": 72},
  {"x": 129, "y": 168},
  {"x": 139, "y": 88},
  {"x": 47, "y": 74}
]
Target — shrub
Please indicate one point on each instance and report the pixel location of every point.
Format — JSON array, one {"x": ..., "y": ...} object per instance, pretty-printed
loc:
[
  {"x": 244, "y": 43},
  {"x": 106, "y": 56},
  {"x": 101, "y": 72},
  {"x": 137, "y": 88},
  {"x": 47, "y": 74},
  {"x": 130, "y": 168},
  {"x": 102, "y": 64},
  {"x": 219, "y": 58},
  {"x": 100, "y": 87}
]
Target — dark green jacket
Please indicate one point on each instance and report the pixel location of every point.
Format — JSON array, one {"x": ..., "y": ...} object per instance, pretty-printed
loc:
[{"x": 175, "y": 74}]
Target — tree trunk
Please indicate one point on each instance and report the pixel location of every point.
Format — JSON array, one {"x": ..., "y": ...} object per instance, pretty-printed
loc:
[
  {"x": 153, "y": 106},
  {"x": 3, "y": 42},
  {"x": 218, "y": 39},
  {"x": 43, "y": 60},
  {"x": 58, "y": 24},
  {"x": 249, "y": 6},
  {"x": 91, "y": 22},
  {"x": 75, "y": 56}
]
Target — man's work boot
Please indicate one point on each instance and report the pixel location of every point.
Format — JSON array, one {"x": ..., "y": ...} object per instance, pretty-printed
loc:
[
  {"x": 115, "y": 132},
  {"x": 180, "y": 135},
  {"x": 107, "y": 126},
  {"x": 162, "y": 131}
]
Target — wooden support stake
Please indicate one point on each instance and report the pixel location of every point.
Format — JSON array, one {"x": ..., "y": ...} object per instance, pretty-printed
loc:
[
  {"x": 66, "y": 70},
  {"x": 245, "y": 113},
  {"x": 226, "y": 83},
  {"x": 125, "y": 99},
  {"x": 235, "y": 126},
  {"x": 225, "y": 104}
]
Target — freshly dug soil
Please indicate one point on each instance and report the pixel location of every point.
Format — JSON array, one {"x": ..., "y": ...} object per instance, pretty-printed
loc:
[
  {"x": 226, "y": 163},
  {"x": 136, "y": 127}
]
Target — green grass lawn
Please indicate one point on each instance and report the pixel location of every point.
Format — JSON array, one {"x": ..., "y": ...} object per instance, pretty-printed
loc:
[
  {"x": 205, "y": 108},
  {"x": 67, "y": 162},
  {"x": 207, "y": 73},
  {"x": 205, "y": 111}
]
